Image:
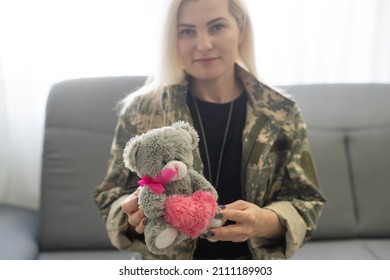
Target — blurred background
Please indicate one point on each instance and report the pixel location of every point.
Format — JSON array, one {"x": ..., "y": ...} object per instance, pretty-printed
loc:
[{"x": 43, "y": 42}]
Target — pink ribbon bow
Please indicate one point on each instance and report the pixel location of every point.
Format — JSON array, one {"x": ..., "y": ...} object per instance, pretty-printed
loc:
[{"x": 157, "y": 183}]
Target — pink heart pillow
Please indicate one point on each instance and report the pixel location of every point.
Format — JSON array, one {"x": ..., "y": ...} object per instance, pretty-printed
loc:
[{"x": 191, "y": 214}]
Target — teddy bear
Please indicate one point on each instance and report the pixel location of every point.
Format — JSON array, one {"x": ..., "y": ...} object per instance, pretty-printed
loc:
[{"x": 179, "y": 202}]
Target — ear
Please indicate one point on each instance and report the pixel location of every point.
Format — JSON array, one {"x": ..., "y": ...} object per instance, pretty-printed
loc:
[
  {"x": 193, "y": 135},
  {"x": 130, "y": 153}
]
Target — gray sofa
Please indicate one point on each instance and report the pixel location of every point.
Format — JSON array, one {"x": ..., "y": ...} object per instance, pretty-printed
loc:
[{"x": 349, "y": 129}]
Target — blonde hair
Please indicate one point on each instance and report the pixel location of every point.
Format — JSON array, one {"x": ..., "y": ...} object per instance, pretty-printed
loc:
[{"x": 167, "y": 69}]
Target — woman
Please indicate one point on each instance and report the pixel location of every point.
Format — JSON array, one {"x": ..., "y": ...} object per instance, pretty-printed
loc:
[{"x": 253, "y": 145}]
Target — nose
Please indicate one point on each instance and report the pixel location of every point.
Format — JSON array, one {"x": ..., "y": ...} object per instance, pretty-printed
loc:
[{"x": 204, "y": 42}]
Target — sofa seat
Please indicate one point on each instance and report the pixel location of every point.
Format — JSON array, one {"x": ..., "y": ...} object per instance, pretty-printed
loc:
[
  {"x": 89, "y": 255},
  {"x": 346, "y": 249}
]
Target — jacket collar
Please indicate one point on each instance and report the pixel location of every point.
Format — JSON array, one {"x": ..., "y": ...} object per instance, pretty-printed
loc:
[{"x": 262, "y": 99}]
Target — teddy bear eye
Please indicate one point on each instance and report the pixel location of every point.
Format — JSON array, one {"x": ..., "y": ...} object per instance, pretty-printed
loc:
[
  {"x": 164, "y": 162},
  {"x": 177, "y": 158}
]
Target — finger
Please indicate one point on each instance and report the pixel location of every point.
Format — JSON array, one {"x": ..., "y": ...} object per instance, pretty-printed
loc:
[
  {"x": 135, "y": 218},
  {"x": 237, "y": 205},
  {"x": 130, "y": 204},
  {"x": 238, "y": 216},
  {"x": 234, "y": 233},
  {"x": 140, "y": 228},
  {"x": 232, "y": 210}
]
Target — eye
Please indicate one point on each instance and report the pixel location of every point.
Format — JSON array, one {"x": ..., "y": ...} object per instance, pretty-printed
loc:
[
  {"x": 164, "y": 162},
  {"x": 187, "y": 32},
  {"x": 177, "y": 158},
  {"x": 216, "y": 27}
]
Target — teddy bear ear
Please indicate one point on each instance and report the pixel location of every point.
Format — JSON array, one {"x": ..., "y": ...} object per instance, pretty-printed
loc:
[
  {"x": 130, "y": 152},
  {"x": 194, "y": 137}
]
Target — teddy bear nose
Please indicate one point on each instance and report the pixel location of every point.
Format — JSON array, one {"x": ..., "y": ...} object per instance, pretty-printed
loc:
[{"x": 176, "y": 166}]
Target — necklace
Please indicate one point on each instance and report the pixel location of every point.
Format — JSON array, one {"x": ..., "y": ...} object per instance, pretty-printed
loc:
[{"x": 205, "y": 143}]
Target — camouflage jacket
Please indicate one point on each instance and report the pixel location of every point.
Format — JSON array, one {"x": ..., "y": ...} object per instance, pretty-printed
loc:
[{"x": 278, "y": 172}]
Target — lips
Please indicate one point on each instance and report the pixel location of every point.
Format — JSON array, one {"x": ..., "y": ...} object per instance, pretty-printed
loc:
[{"x": 205, "y": 60}]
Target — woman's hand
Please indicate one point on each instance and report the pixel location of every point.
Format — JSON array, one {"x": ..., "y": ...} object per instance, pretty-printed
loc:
[
  {"x": 135, "y": 215},
  {"x": 250, "y": 221}
]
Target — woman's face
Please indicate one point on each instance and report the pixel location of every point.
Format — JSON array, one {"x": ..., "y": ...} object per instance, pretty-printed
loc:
[{"x": 208, "y": 39}]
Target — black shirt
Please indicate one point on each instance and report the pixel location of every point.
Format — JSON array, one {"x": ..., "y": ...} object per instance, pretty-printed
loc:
[{"x": 214, "y": 119}]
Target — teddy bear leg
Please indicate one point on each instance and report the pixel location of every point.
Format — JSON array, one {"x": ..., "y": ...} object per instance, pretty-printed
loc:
[
  {"x": 215, "y": 223},
  {"x": 159, "y": 236},
  {"x": 166, "y": 237}
]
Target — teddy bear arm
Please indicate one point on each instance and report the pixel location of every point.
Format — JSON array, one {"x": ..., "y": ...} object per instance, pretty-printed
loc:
[
  {"x": 152, "y": 204},
  {"x": 199, "y": 182}
]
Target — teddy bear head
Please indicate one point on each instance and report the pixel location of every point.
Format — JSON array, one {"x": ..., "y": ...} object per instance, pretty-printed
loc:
[{"x": 156, "y": 150}]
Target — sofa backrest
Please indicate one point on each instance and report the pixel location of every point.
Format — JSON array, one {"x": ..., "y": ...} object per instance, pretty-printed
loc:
[
  {"x": 349, "y": 130},
  {"x": 80, "y": 124}
]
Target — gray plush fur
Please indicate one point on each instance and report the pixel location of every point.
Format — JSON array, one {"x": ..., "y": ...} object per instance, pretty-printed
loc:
[{"x": 147, "y": 154}]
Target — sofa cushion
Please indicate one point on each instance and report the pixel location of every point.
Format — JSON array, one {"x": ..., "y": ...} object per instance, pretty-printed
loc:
[
  {"x": 379, "y": 247},
  {"x": 343, "y": 106},
  {"x": 345, "y": 249},
  {"x": 79, "y": 130},
  {"x": 357, "y": 115},
  {"x": 370, "y": 158},
  {"x": 338, "y": 217},
  {"x": 89, "y": 255}
]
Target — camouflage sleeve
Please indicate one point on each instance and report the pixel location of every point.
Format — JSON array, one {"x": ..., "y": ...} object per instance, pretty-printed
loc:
[
  {"x": 119, "y": 182},
  {"x": 295, "y": 194}
]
